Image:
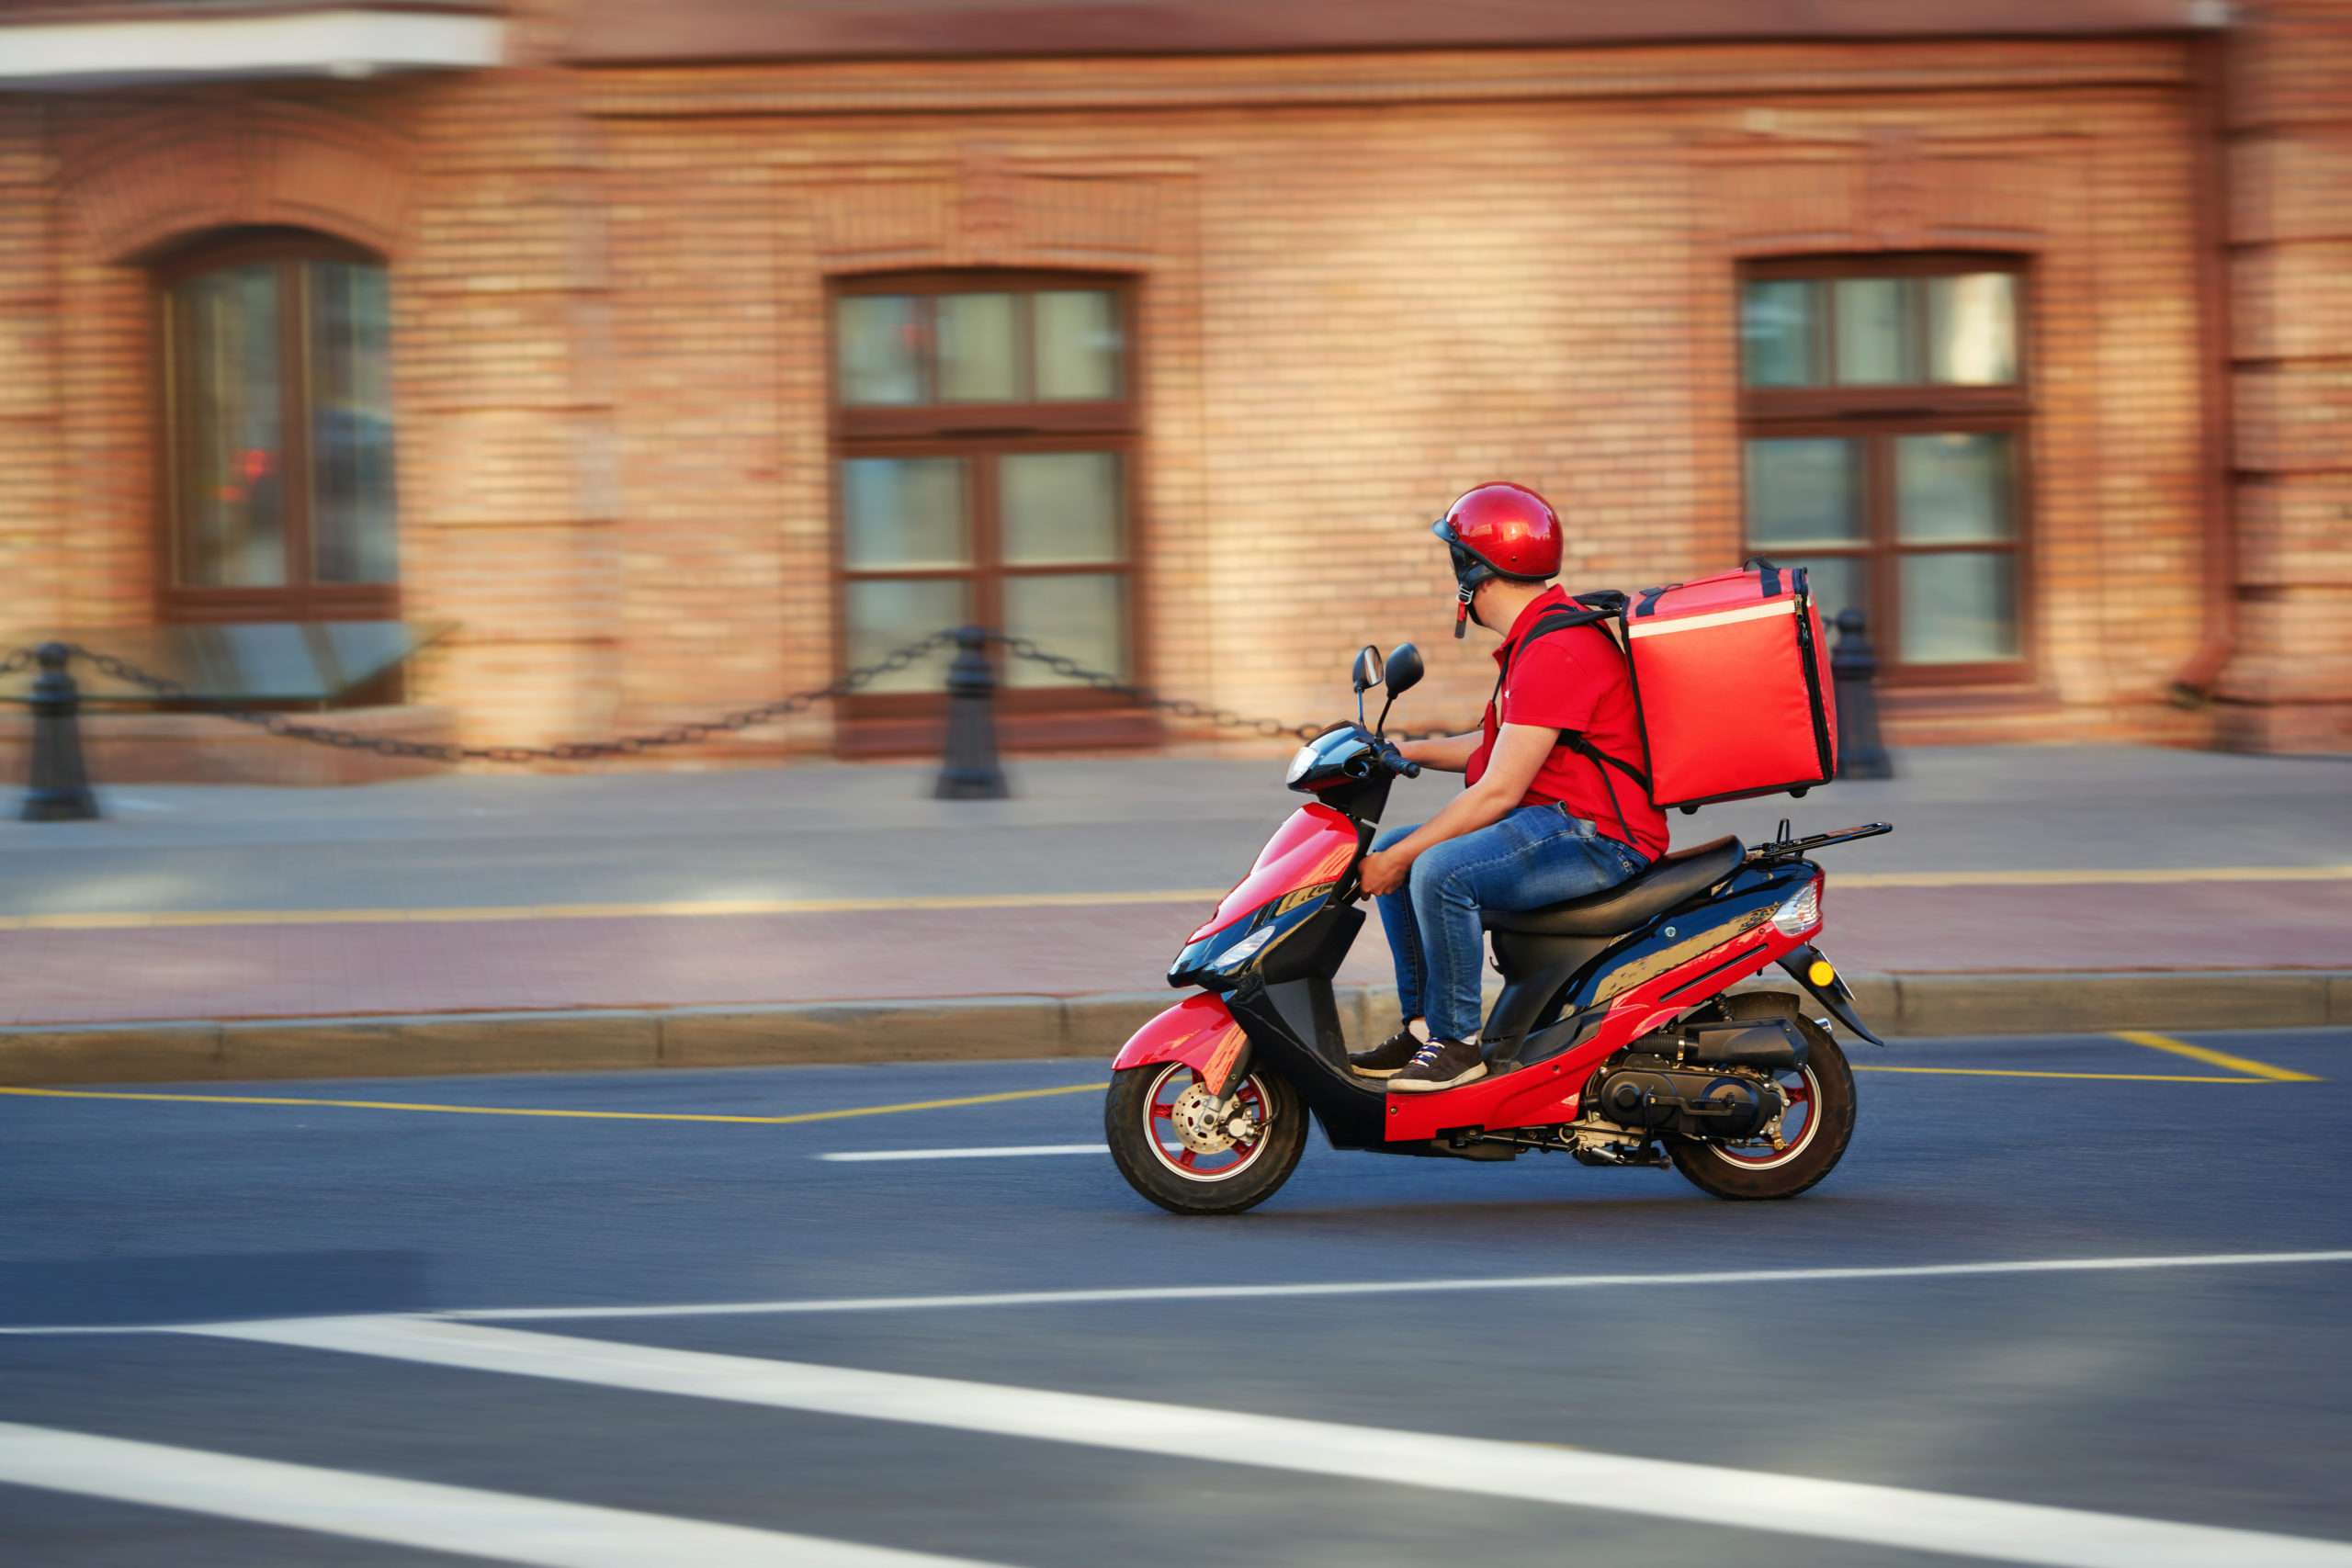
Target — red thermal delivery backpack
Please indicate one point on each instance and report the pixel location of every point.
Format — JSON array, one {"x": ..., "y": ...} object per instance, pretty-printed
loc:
[{"x": 1730, "y": 673}]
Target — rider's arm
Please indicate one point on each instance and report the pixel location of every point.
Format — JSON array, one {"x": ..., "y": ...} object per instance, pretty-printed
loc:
[
  {"x": 1519, "y": 752},
  {"x": 1447, "y": 753}
]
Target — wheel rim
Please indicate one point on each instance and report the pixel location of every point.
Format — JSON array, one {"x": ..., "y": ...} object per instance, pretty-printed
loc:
[
  {"x": 1175, "y": 1129},
  {"x": 1800, "y": 1122}
]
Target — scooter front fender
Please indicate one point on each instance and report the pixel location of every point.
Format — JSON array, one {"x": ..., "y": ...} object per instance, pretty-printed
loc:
[{"x": 1196, "y": 1031}]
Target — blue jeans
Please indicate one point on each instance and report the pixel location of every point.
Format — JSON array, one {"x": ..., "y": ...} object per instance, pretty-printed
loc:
[{"x": 1538, "y": 854}]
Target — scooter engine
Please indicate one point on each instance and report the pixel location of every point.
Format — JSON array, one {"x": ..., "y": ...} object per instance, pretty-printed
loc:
[{"x": 1653, "y": 1097}]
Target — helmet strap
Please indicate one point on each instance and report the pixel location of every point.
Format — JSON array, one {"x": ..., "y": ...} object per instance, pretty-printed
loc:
[{"x": 1462, "y": 612}]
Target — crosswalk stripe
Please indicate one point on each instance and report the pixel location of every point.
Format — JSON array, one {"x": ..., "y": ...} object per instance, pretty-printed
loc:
[
  {"x": 495, "y": 1525},
  {"x": 1273, "y": 1290},
  {"x": 1793, "y": 1505}
]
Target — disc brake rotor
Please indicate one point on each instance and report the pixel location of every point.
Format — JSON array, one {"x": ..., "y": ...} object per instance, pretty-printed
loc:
[{"x": 1194, "y": 1117}]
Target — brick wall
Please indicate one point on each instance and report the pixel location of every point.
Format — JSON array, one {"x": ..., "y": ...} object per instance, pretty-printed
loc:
[
  {"x": 2289, "y": 147},
  {"x": 1366, "y": 282}
]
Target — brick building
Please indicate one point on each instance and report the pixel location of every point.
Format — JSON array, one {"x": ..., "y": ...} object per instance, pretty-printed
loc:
[{"x": 666, "y": 358}]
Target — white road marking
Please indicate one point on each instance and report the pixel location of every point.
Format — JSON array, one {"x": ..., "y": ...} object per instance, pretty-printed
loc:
[
  {"x": 421, "y": 1514},
  {"x": 1405, "y": 1287},
  {"x": 1792, "y": 1505},
  {"x": 1006, "y": 1152}
]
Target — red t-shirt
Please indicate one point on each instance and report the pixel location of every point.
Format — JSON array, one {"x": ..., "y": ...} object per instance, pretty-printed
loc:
[{"x": 1576, "y": 680}]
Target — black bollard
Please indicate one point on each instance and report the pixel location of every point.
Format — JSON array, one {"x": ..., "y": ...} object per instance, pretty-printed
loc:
[
  {"x": 969, "y": 770},
  {"x": 1853, "y": 666},
  {"x": 60, "y": 790}
]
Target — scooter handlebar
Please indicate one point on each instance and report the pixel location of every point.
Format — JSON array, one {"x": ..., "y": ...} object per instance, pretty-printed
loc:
[{"x": 1395, "y": 761}]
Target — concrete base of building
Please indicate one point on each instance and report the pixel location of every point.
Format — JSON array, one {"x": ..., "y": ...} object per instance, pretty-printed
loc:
[
  {"x": 199, "y": 748},
  {"x": 1090, "y": 1027}
]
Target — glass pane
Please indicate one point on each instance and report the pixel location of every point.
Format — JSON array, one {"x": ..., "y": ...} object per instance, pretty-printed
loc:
[
  {"x": 1062, "y": 507},
  {"x": 230, "y": 408},
  {"x": 1079, "y": 345},
  {"x": 1777, "y": 332},
  {"x": 1959, "y": 608},
  {"x": 977, "y": 363},
  {"x": 904, "y": 511},
  {"x": 354, "y": 536},
  {"x": 1083, "y": 618},
  {"x": 1972, "y": 329},
  {"x": 1839, "y": 583},
  {"x": 1874, "y": 316},
  {"x": 1804, "y": 492},
  {"x": 884, "y": 616},
  {"x": 881, "y": 348},
  {"x": 1953, "y": 488}
]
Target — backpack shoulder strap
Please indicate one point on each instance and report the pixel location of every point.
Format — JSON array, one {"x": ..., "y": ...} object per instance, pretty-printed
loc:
[{"x": 1575, "y": 740}]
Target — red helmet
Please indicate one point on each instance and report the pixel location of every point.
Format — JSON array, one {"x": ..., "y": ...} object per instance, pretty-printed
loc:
[{"x": 1499, "y": 530}]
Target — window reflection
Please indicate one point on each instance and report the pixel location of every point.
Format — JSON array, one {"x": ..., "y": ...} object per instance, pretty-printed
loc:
[
  {"x": 880, "y": 349},
  {"x": 1083, "y": 616},
  {"x": 1873, "y": 319},
  {"x": 1953, "y": 488},
  {"x": 978, "y": 362},
  {"x": 1777, "y": 331},
  {"x": 1972, "y": 329},
  {"x": 229, "y": 407},
  {"x": 354, "y": 537},
  {"x": 905, "y": 512},
  {"x": 886, "y": 615},
  {"x": 1804, "y": 490},
  {"x": 1959, "y": 607},
  {"x": 1062, "y": 507},
  {"x": 1078, "y": 345}
]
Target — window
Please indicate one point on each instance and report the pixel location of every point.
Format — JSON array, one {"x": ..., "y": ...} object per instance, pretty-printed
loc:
[
  {"x": 1883, "y": 406},
  {"x": 277, "y": 478},
  {"x": 984, "y": 475}
]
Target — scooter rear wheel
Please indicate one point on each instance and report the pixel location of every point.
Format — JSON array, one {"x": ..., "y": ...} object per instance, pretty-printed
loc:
[
  {"x": 1820, "y": 1104},
  {"x": 1155, "y": 1121}
]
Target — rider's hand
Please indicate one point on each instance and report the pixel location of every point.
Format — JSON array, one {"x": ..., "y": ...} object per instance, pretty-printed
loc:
[{"x": 1384, "y": 872}]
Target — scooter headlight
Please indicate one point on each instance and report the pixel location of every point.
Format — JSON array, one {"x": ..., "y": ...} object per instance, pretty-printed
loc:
[
  {"x": 1301, "y": 765},
  {"x": 1241, "y": 952},
  {"x": 1801, "y": 913}
]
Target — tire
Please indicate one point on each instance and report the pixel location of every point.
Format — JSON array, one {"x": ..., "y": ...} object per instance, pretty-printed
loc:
[
  {"x": 1140, "y": 1119},
  {"x": 1826, "y": 1090}
]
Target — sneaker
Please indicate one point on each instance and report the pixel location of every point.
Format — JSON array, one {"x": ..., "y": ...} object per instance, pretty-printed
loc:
[
  {"x": 1383, "y": 1059},
  {"x": 1441, "y": 1064}
]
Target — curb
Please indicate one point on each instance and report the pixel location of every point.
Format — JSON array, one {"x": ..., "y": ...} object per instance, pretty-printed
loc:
[{"x": 981, "y": 1028}]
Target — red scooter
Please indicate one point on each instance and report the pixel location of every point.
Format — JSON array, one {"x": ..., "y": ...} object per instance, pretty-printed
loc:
[{"x": 1612, "y": 1041}]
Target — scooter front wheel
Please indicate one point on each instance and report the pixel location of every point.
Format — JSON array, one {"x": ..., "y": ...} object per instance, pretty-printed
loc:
[{"x": 1167, "y": 1140}]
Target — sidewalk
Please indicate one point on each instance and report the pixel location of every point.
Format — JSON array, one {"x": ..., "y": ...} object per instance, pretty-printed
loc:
[{"x": 749, "y": 891}]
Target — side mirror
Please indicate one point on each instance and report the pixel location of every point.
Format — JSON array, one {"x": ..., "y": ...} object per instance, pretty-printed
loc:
[
  {"x": 1370, "y": 672},
  {"x": 1404, "y": 668}
]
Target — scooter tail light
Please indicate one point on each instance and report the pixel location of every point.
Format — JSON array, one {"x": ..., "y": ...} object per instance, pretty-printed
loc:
[{"x": 1801, "y": 913}]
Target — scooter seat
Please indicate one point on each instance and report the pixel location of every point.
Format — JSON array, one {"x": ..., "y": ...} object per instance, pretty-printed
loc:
[{"x": 1659, "y": 887}]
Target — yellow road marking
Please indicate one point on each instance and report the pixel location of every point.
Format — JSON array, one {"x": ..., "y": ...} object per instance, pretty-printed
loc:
[
  {"x": 589, "y": 1115},
  {"x": 131, "y": 920},
  {"x": 2009, "y": 1073},
  {"x": 2218, "y": 1058}
]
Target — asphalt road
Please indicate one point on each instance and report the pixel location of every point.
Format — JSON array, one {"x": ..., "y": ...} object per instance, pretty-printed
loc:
[{"x": 2210, "y": 1394}]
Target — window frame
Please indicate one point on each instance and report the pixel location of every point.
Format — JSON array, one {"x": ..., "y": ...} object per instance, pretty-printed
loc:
[
  {"x": 981, "y": 433},
  {"x": 300, "y": 597},
  {"x": 1876, "y": 416}
]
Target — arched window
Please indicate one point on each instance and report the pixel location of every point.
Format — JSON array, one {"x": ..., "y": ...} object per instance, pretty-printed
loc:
[{"x": 277, "y": 471}]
